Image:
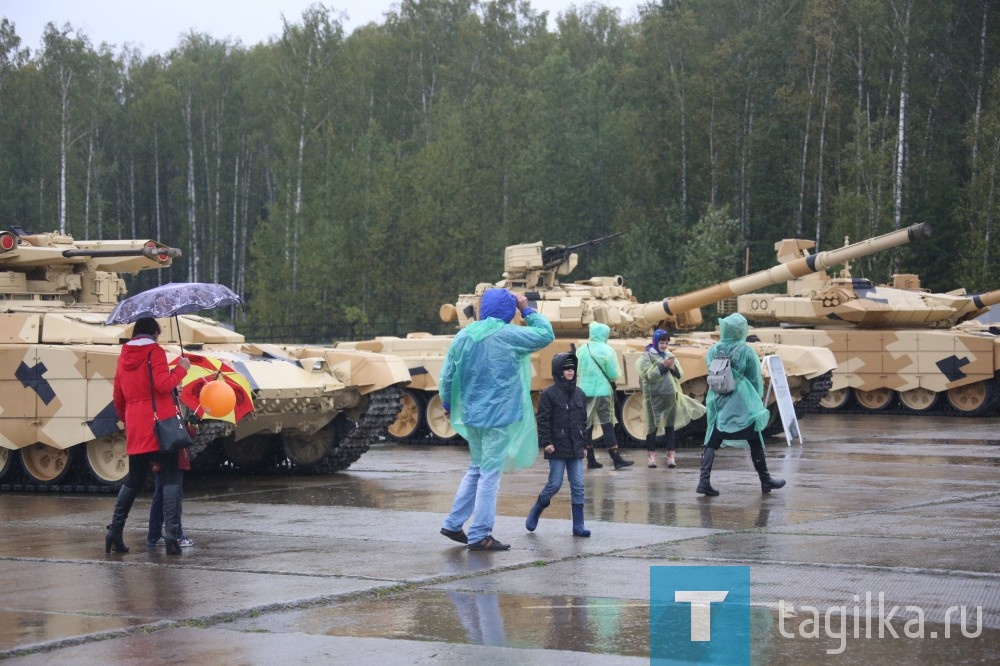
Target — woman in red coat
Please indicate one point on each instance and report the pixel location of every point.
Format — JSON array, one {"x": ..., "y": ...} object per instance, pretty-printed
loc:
[{"x": 141, "y": 357}]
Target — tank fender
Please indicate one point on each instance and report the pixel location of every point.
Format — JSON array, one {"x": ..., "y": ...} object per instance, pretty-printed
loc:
[{"x": 367, "y": 371}]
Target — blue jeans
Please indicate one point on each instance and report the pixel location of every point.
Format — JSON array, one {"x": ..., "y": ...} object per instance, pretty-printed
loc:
[
  {"x": 476, "y": 498},
  {"x": 574, "y": 471},
  {"x": 156, "y": 511}
]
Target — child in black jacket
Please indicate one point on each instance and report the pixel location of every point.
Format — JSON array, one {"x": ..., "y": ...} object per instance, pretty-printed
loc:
[{"x": 562, "y": 426}]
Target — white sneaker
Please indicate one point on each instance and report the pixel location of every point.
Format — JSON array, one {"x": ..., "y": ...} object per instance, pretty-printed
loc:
[{"x": 186, "y": 543}]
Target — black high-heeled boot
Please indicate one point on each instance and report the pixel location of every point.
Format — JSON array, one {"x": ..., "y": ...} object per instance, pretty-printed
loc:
[
  {"x": 767, "y": 482},
  {"x": 123, "y": 504},
  {"x": 704, "y": 480}
]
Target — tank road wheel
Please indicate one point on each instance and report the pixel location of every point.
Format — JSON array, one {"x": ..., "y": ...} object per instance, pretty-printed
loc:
[
  {"x": 835, "y": 399},
  {"x": 437, "y": 422},
  {"x": 630, "y": 416},
  {"x": 7, "y": 459},
  {"x": 409, "y": 422},
  {"x": 918, "y": 399},
  {"x": 107, "y": 458},
  {"x": 304, "y": 450},
  {"x": 972, "y": 399},
  {"x": 875, "y": 400},
  {"x": 45, "y": 464}
]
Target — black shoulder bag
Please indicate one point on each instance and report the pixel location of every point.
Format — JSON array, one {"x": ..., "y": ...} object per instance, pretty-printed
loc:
[{"x": 171, "y": 432}]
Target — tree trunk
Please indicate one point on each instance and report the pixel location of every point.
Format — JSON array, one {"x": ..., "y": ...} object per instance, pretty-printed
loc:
[{"x": 191, "y": 207}]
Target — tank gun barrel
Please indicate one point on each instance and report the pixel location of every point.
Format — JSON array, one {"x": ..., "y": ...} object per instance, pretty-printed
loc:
[
  {"x": 553, "y": 256},
  {"x": 672, "y": 308},
  {"x": 153, "y": 252},
  {"x": 987, "y": 299}
]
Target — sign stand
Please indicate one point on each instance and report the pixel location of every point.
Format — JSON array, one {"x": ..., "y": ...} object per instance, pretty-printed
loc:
[{"x": 779, "y": 386}]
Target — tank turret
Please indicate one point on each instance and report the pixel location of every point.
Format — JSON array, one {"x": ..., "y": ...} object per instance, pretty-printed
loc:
[
  {"x": 316, "y": 408},
  {"x": 899, "y": 347},
  {"x": 571, "y": 307},
  {"x": 49, "y": 269}
]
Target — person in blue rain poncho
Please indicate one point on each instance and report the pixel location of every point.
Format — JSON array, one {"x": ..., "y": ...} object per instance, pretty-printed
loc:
[
  {"x": 485, "y": 386},
  {"x": 739, "y": 416}
]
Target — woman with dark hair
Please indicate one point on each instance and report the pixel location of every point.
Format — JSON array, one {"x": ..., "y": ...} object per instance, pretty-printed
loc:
[{"x": 142, "y": 369}]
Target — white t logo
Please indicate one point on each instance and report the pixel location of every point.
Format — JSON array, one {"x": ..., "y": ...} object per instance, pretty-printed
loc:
[{"x": 701, "y": 616}]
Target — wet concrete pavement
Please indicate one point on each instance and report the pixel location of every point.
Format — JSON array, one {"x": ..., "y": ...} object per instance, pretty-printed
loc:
[{"x": 316, "y": 569}]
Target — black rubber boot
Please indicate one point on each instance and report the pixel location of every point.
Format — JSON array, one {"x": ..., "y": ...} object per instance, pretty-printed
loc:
[
  {"x": 578, "y": 528},
  {"x": 592, "y": 459},
  {"x": 612, "y": 444},
  {"x": 767, "y": 484},
  {"x": 704, "y": 481},
  {"x": 171, "y": 514},
  {"x": 535, "y": 513},
  {"x": 619, "y": 462},
  {"x": 113, "y": 539}
]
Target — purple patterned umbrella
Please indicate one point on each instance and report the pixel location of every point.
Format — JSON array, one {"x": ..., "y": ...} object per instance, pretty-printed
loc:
[{"x": 172, "y": 299}]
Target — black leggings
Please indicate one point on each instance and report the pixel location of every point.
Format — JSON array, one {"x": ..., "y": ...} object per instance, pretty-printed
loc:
[{"x": 139, "y": 465}]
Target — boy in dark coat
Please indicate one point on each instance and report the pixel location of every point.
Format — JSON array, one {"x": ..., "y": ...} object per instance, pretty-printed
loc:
[{"x": 562, "y": 431}]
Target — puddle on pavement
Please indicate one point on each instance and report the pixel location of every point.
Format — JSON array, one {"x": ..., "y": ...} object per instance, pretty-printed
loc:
[{"x": 621, "y": 627}]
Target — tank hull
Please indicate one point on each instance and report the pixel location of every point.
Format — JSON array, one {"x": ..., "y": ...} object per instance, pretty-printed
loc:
[
  {"x": 316, "y": 409},
  {"x": 422, "y": 421},
  {"x": 943, "y": 371}
]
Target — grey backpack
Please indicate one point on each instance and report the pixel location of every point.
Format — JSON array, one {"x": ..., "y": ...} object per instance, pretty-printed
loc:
[{"x": 720, "y": 375}]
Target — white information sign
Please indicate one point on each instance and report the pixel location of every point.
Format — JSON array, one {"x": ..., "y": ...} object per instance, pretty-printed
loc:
[{"x": 779, "y": 387}]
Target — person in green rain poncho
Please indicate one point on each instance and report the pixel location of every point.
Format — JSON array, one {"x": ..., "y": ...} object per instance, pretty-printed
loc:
[
  {"x": 485, "y": 386},
  {"x": 738, "y": 416}
]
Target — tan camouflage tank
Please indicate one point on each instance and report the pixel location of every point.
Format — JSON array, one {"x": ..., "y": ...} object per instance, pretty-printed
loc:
[
  {"x": 316, "y": 409},
  {"x": 899, "y": 348},
  {"x": 571, "y": 307}
]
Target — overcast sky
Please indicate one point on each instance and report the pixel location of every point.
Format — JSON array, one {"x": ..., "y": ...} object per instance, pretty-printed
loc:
[{"x": 155, "y": 26}]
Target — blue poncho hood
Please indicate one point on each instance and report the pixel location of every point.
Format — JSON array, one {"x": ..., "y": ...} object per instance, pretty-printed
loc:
[
  {"x": 498, "y": 303},
  {"x": 657, "y": 334}
]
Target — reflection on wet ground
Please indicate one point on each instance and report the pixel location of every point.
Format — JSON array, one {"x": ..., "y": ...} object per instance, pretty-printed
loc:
[
  {"x": 621, "y": 627},
  {"x": 292, "y": 568}
]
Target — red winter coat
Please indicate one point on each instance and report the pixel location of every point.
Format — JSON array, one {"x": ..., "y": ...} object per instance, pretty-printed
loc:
[{"x": 132, "y": 392}]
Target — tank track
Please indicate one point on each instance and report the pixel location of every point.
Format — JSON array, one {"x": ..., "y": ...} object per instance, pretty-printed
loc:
[
  {"x": 896, "y": 408},
  {"x": 356, "y": 437},
  {"x": 692, "y": 435},
  {"x": 817, "y": 390}
]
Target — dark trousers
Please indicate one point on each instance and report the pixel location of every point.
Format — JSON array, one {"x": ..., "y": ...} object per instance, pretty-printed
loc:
[
  {"x": 752, "y": 437},
  {"x": 139, "y": 467},
  {"x": 156, "y": 511}
]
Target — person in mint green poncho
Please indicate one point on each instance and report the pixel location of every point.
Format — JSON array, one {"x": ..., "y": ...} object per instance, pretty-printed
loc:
[
  {"x": 739, "y": 416},
  {"x": 485, "y": 386}
]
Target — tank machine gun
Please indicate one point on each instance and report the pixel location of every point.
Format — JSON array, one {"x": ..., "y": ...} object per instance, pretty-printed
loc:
[
  {"x": 318, "y": 408},
  {"x": 892, "y": 342},
  {"x": 534, "y": 270}
]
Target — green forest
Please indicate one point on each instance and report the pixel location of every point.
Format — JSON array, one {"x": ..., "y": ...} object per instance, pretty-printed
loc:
[{"x": 349, "y": 184}]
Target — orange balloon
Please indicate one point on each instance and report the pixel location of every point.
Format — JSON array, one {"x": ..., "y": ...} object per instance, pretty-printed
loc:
[{"x": 217, "y": 398}]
